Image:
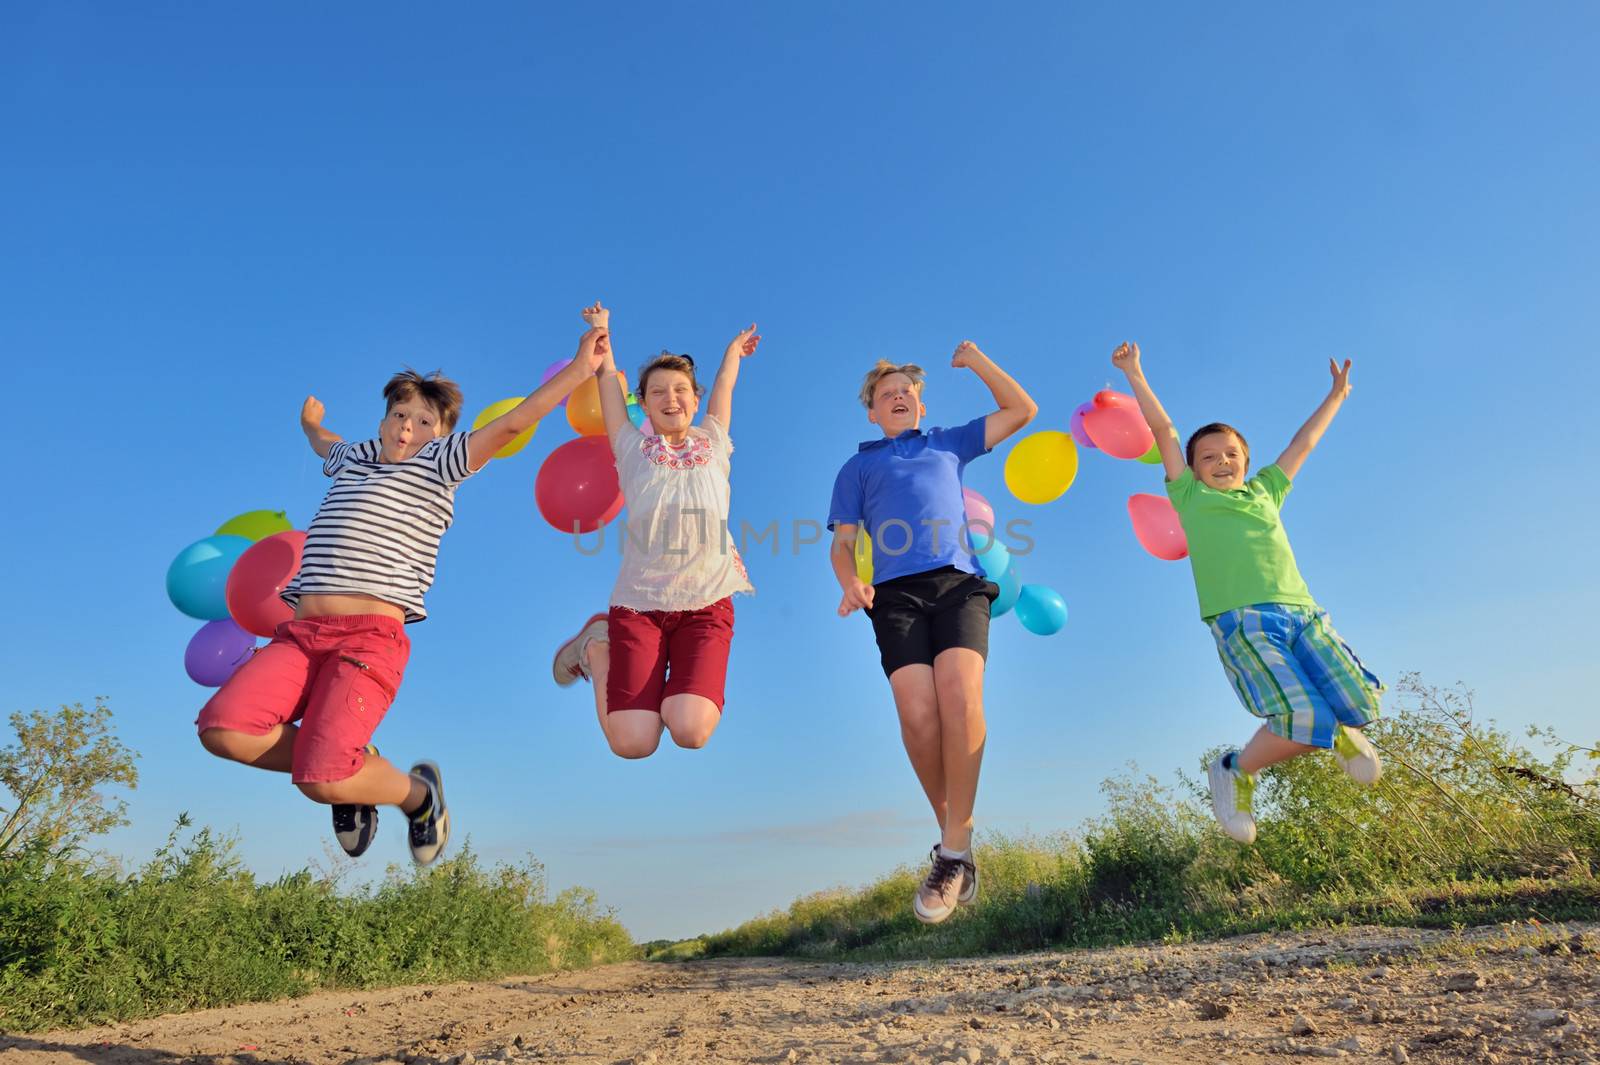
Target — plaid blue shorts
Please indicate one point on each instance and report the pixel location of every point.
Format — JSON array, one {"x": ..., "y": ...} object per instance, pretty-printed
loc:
[{"x": 1289, "y": 667}]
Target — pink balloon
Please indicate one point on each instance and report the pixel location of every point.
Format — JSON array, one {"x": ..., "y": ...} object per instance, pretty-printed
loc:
[
  {"x": 259, "y": 577},
  {"x": 577, "y": 488},
  {"x": 1155, "y": 523},
  {"x": 553, "y": 369},
  {"x": 978, "y": 509},
  {"x": 1117, "y": 427},
  {"x": 1075, "y": 426}
]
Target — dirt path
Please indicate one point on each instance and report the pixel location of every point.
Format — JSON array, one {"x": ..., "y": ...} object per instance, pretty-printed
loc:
[{"x": 1392, "y": 995}]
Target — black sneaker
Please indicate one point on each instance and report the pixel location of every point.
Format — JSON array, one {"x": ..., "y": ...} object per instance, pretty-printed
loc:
[
  {"x": 429, "y": 833},
  {"x": 355, "y": 826}
]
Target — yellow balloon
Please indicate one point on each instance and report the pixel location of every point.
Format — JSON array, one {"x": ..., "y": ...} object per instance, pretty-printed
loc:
[
  {"x": 493, "y": 411},
  {"x": 863, "y": 555},
  {"x": 1042, "y": 466},
  {"x": 583, "y": 406}
]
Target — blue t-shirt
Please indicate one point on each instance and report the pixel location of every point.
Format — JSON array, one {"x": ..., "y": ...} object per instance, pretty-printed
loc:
[{"x": 906, "y": 492}]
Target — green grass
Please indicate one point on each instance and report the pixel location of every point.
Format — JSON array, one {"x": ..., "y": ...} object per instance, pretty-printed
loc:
[{"x": 82, "y": 943}]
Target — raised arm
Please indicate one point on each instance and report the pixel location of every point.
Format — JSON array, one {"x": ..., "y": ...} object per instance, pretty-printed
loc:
[
  {"x": 322, "y": 440},
  {"x": 720, "y": 405},
  {"x": 613, "y": 404},
  {"x": 1017, "y": 408},
  {"x": 485, "y": 443},
  {"x": 1126, "y": 359},
  {"x": 1310, "y": 434}
]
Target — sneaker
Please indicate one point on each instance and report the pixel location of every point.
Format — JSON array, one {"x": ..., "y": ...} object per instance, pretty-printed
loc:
[
  {"x": 355, "y": 826},
  {"x": 569, "y": 664},
  {"x": 1355, "y": 755},
  {"x": 429, "y": 833},
  {"x": 969, "y": 883},
  {"x": 1232, "y": 796},
  {"x": 941, "y": 892}
]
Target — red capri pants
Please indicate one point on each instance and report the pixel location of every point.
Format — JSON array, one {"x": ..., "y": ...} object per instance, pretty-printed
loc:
[
  {"x": 335, "y": 675},
  {"x": 660, "y": 653}
]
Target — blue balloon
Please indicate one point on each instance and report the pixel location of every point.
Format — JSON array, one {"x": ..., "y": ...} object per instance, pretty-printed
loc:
[
  {"x": 636, "y": 415},
  {"x": 1041, "y": 610},
  {"x": 993, "y": 554},
  {"x": 1010, "y": 588},
  {"x": 197, "y": 580}
]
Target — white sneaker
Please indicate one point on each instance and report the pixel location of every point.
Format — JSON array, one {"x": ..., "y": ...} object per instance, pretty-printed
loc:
[
  {"x": 1355, "y": 755},
  {"x": 1232, "y": 797},
  {"x": 569, "y": 664}
]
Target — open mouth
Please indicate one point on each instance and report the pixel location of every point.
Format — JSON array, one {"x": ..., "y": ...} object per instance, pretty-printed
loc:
[{"x": 899, "y": 408}]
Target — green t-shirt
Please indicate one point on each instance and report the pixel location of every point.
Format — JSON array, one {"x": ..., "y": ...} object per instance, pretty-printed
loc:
[{"x": 1237, "y": 547}]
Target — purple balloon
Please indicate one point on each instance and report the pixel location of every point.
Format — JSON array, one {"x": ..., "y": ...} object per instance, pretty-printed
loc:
[
  {"x": 219, "y": 648},
  {"x": 553, "y": 369},
  {"x": 1076, "y": 425}
]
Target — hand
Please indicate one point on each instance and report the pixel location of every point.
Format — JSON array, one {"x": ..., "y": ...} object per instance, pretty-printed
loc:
[
  {"x": 591, "y": 355},
  {"x": 966, "y": 355},
  {"x": 744, "y": 344},
  {"x": 1341, "y": 377},
  {"x": 857, "y": 596},
  {"x": 1126, "y": 358},
  {"x": 311, "y": 413},
  {"x": 597, "y": 316}
]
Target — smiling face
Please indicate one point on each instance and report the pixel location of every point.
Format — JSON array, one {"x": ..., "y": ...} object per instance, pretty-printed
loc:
[
  {"x": 670, "y": 401},
  {"x": 1220, "y": 459},
  {"x": 896, "y": 404},
  {"x": 408, "y": 425}
]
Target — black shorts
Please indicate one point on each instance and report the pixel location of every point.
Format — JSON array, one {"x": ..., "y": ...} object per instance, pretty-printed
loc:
[{"x": 917, "y": 616}]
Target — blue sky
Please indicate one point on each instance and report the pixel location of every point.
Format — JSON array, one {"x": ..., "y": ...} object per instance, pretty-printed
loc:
[{"x": 207, "y": 213}]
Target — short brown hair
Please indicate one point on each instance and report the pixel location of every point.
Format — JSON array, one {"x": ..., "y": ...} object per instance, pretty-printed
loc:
[
  {"x": 434, "y": 389},
  {"x": 1207, "y": 430},
  {"x": 684, "y": 364},
  {"x": 884, "y": 369}
]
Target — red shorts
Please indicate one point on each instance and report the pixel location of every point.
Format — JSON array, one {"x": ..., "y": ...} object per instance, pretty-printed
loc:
[
  {"x": 659, "y": 653},
  {"x": 335, "y": 675}
]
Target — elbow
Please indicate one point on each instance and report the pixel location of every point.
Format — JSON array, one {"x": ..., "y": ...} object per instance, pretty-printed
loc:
[{"x": 1030, "y": 411}]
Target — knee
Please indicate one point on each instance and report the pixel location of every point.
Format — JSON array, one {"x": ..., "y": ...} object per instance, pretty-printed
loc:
[
  {"x": 634, "y": 746},
  {"x": 225, "y": 743},
  {"x": 695, "y": 735},
  {"x": 326, "y": 792}
]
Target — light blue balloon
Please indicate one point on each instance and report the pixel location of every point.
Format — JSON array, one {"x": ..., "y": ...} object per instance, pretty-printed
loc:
[
  {"x": 197, "y": 580},
  {"x": 1010, "y": 589},
  {"x": 1041, "y": 610},
  {"x": 636, "y": 415},
  {"x": 994, "y": 556}
]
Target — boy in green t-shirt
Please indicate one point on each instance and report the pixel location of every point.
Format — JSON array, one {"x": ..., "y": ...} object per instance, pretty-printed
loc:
[{"x": 1284, "y": 660}]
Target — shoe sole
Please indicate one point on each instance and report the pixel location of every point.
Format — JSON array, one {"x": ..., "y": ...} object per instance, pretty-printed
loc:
[
  {"x": 361, "y": 847},
  {"x": 442, "y": 813},
  {"x": 569, "y": 680},
  {"x": 925, "y": 918}
]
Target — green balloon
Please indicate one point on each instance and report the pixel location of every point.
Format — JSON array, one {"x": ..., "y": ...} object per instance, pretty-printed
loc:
[
  {"x": 1153, "y": 456},
  {"x": 255, "y": 524}
]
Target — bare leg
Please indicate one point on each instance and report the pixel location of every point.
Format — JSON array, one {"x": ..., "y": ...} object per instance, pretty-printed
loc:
[
  {"x": 1265, "y": 748},
  {"x": 630, "y": 733},
  {"x": 917, "y": 703},
  {"x": 958, "y": 679},
  {"x": 690, "y": 718},
  {"x": 377, "y": 783},
  {"x": 272, "y": 751}
]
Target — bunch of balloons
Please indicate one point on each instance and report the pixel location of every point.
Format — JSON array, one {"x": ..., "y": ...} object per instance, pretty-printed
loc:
[
  {"x": 1112, "y": 422},
  {"x": 231, "y": 580}
]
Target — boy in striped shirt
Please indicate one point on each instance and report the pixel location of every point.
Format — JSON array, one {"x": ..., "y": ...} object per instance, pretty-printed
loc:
[{"x": 307, "y": 704}]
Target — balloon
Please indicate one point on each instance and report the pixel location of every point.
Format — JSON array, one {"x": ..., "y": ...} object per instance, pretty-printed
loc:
[
  {"x": 1076, "y": 425},
  {"x": 1042, "y": 465},
  {"x": 257, "y": 578},
  {"x": 978, "y": 509},
  {"x": 1117, "y": 427},
  {"x": 863, "y": 555},
  {"x": 577, "y": 485},
  {"x": 253, "y": 525},
  {"x": 1153, "y": 456},
  {"x": 637, "y": 416},
  {"x": 550, "y": 371},
  {"x": 583, "y": 408},
  {"x": 214, "y": 652},
  {"x": 1010, "y": 587},
  {"x": 1041, "y": 610},
  {"x": 197, "y": 580},
  {"x": 993, "y": 554},
  {"x": 495, "y": 410},
  {"x": 1156, "y": 524}
]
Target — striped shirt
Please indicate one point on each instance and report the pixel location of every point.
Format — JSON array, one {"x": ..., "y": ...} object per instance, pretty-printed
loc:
[{"x": 377, "y": 531}]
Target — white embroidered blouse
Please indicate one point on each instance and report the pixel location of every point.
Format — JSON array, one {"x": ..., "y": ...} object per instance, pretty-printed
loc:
[{"x": 677, "y": 551}]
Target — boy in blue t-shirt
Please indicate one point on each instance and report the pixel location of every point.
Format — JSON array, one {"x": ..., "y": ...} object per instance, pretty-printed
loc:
[{"x": 929, "y": 600}]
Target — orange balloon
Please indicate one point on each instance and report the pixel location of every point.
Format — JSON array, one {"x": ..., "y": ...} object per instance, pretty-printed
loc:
[{"x": 583, "y": 406}]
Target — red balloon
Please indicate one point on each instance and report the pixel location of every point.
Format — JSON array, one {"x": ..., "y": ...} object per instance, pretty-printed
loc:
[
  {"x": 259, "y": 576},
  {"x": 577, "y": 489},
  {"x": 1116, "y": 425},
  {"x": 1155, "y": 523}
]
